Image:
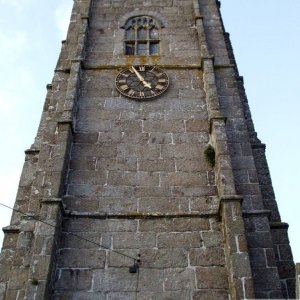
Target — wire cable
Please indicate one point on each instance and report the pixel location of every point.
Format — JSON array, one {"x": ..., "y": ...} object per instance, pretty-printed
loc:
[{"x": 136, "y": 261}]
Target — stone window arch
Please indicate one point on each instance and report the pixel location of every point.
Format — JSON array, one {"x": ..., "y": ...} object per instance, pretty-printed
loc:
[{"x": 142, "y": 36}]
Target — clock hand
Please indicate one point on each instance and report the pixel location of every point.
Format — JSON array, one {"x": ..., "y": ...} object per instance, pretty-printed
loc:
[
  {"x": 137, "y": 74},
  {"x": 141, "y": 78}
]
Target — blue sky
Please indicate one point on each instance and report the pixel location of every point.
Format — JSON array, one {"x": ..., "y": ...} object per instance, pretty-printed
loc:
[{"x": 265, "y": 37}]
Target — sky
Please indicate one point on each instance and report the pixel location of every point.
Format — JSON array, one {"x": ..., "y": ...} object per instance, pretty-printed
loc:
[{"x": 266, "y": 42}]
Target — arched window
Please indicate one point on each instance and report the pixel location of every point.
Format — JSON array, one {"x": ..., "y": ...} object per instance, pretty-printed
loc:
[{"x": 141, "y": 36}]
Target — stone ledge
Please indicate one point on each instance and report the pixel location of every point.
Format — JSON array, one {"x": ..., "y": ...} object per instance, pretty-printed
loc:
[
  {"x": 231, "y": 198},
  {"x": 87, "y": 66},
  {"x": 63, "y": 122},
  {"x": 199, "y": 17},
  {"x": 224, "y": 66},
  {"x": 207, "y": 57},
  {"x": 52, "y": 200},
  {"x": 32, "y": 151},
  {"x": 66, "y": 70},
  {"x": 258, "y": 146},
  {"x": 77, "y": 60},
  {"x": 137, "y": 215},
  {"x": 263, "y": 212},
  {"x": 11, "y": 229},
  {"x": 279, "y": 225}
]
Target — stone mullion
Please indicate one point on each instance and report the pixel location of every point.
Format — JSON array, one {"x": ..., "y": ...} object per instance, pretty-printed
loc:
[
  {"x": 240, "y": 281},
  {"x": 135, "y": 39}
]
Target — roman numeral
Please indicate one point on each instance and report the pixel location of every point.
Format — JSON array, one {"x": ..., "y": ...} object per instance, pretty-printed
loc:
[
  {"x": 142, "y": 68},
  {"x": 142, "y": 95},
  {"x": 124, "y": 87},
  {"x": 162, "y": 80},
  {"x": 131, "y": 92},
  {"x": 159, "y": 87},
  {"x": 125, "y": 74}
]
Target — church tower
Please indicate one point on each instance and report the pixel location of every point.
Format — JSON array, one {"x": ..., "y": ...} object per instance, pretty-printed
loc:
[{"x": 146, "y": 179}]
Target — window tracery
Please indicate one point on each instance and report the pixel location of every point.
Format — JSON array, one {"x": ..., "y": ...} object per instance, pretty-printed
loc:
[{"x": 141, "y": 36}]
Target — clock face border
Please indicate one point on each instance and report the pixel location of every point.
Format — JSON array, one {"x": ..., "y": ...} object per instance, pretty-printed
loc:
[{"x": 142, "y": 82}]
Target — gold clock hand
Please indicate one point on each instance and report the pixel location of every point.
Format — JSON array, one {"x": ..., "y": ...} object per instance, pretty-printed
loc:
[
  {"x": 146, "y": 84},
  {"x": 137, "y": 74},
  {"x": 140, "y": 77}
]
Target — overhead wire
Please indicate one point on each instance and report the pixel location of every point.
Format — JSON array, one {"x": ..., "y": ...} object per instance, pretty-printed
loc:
[{"x": 136, "y": 260}]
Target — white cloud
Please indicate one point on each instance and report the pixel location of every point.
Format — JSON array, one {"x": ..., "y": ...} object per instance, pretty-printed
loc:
[{"x": 62, "y": 17}]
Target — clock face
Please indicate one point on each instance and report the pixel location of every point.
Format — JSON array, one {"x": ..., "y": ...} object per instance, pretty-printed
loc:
[{"x": 142, "y": 82}]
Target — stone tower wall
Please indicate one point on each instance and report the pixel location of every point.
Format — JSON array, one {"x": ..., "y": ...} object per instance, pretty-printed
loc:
[
  {"x": 118, "y": 180},
  {"x": 138, "y": 182}
]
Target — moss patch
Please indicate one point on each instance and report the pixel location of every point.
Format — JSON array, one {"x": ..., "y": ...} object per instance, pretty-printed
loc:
[{"x": 210, "y": 155}]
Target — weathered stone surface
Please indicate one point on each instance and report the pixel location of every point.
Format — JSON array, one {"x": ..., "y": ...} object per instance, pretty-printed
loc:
[
  {"x": 241, "y": 261},
  {"x": 211, "y": 278},
  {"x": 132, "y": 174},
  {"x": 74, "y": 279},
  {"x": 117, "y": 164},
  {"x": 160, "y": 205},
  {"x": 18, "y": 278},
  {"x": 181, "y": 240},
  {"x": 94, "y": 225},
  {"x": 211, "y": 294},
  {"x": 173, "y": 295},
  {"x": 192, "y": 224},
  {"x": 167, "y": 165},
  {"x": 133, "y": 178},
  {"x": 128, "y": 240},
  {"x": 212, "y": 239},
  {"x": 179, "y": 279},
  {"x": 208, "y": 204},
  {"x": 40, "y": 267},
  {"x": 266, "y": 279},
  {"x": 81, "y": 258},
  {"x": 77, "y": 295},
  {"x": 207, "y": 257},
  {"x": 114, "y": 279},
  {"x": 2, "y": 290}
]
